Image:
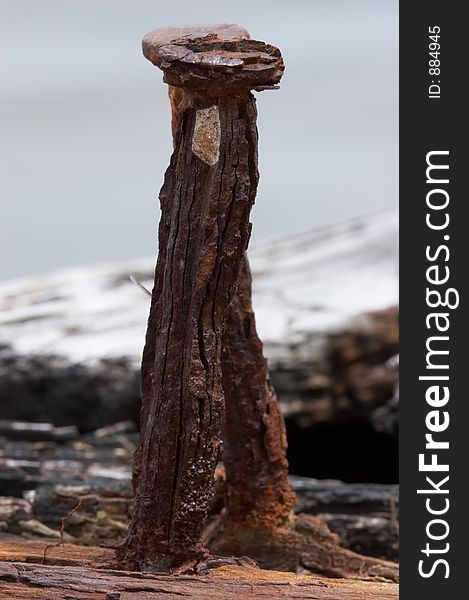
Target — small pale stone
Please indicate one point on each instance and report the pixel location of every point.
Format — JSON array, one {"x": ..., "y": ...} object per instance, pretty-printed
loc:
[{"x": 207, "y": 133}]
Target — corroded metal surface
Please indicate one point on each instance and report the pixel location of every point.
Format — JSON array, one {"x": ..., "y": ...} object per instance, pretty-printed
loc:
[
  {"x": 258, "y": 492},
  {"x": 202, "y": 342},
  {"x": 206, "y": 199},
  {"x": 222, "y": 55}
]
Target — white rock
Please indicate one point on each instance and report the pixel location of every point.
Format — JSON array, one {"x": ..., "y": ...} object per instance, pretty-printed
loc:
[{"x": 303, "y": 285}]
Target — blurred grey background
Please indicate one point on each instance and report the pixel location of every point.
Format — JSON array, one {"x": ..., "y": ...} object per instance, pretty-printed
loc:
[{"x": 85, "y": 124}]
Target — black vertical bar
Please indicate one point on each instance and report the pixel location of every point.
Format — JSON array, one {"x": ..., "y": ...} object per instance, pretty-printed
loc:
[{"x": 432, "y": 120}]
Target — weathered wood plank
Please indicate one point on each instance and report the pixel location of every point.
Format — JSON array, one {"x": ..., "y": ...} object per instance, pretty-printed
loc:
[
  {"x": 15, "y": 549},
  {"x": 86, "y": 574}
]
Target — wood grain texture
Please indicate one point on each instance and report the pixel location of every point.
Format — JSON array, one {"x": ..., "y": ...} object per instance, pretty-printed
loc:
[{"x": 82, "y": 578}]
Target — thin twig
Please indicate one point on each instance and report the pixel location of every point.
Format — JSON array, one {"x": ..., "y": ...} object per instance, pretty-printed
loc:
[
  {"x": 139, "y": 284},
  {"x": 62, "y": 529}
]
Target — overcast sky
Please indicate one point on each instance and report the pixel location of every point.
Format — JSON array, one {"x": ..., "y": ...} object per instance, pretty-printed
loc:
[{"x": 85, "y": 124}]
